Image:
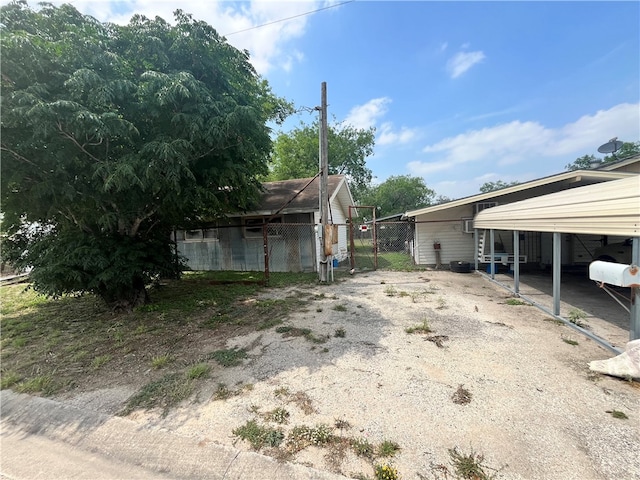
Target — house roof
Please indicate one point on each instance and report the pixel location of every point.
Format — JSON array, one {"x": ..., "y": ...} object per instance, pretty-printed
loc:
[
  {"x": 536, "y": 188},
  {"x": 609, "y": 208},
  {"x": 631, "y": 164},
  {"x": 301, "y": 195}
]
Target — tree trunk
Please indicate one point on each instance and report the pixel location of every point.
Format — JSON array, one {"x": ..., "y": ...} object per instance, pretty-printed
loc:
[{"x": 125, "y": 299}]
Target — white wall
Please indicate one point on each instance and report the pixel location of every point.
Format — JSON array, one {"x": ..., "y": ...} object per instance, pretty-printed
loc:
[{"x": 455, "y": 245}]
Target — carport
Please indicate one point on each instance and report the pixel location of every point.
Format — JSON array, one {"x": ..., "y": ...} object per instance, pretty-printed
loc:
[{"x": 609, "y": 208}]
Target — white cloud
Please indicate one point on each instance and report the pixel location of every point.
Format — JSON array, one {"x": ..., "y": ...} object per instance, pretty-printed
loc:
[
  {"x": 520, "y": 142},
  {"x": 463, "y": 61},
  {"x": 365, "y": 116},
  {"x": 388, "y": 136},
  {"x": 269, "y": 45}
]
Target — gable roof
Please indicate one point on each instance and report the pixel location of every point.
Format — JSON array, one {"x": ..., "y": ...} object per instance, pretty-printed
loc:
[
  {"x": 630, "y": 164},
  {"x": 291, "y": 196},
  {"x": 561, "y": 181}
]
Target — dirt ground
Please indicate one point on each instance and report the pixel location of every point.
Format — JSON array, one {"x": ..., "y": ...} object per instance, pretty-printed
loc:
[{"x": 531, "y": 407}]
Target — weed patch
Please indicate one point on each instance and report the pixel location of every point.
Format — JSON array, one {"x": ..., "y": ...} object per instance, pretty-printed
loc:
[
  {"x": 289, "y": 331},
  {"x": 618, "y": 414},
  {"x": 228, "y": 358},
  {"x": 576, "y": 316},
  {"x": 387, "y": 449},
  {"x": 340, "y": 333},
  {"x": 277, "y": 415},
  {"x": 420, "y": 328},
  {"x": 258, "y": 435},
  {"x": 470, "y": 466},
  {"x": 385, "y": 472},
  {"x": 461, "y": 396},
  {"x": 515, "y": 302}
]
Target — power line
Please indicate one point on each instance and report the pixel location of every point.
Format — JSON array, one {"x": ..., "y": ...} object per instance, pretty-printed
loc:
[{"x": 289, "y": 18}]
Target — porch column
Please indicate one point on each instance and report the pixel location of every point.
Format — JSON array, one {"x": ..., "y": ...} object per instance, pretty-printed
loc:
[
  {"x": 493, "y": 253},
  {"x": 557, "y": 261},
  {"x": 516, "y": 263},
  {"x": 634, "y": 330}
]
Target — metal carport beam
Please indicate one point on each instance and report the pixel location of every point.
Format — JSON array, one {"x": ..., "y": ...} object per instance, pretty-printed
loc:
[{"x": 557, "y": 264}]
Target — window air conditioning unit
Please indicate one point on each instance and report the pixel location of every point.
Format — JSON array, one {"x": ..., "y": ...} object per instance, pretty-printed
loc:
[{"x": 467, "y": 225}]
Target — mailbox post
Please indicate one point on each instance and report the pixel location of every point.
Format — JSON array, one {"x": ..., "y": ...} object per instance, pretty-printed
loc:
[{"x": 622, "y": 275}]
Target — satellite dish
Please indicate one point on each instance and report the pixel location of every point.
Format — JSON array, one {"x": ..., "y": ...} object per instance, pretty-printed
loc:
[{"x": 611, "y": 146}]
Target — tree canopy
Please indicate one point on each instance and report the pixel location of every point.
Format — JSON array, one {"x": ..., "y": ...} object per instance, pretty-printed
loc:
[
  {"x": 628, "y": 149},
  {"x": 398, "y": 194},
  {"x": 111, "y": 135},
  {"x": 497, "y": 185},
  {"x": 296, "y": 154}
]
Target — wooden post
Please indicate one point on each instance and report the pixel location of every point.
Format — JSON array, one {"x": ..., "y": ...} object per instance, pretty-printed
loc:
[{"x": 324, "y": 173}]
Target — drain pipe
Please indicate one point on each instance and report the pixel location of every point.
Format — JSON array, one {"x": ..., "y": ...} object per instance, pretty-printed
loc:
[{"x": 600, "y": 341}]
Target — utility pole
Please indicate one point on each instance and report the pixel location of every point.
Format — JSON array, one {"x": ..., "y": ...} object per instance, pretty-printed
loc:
[{"x": 324, "y": 173}]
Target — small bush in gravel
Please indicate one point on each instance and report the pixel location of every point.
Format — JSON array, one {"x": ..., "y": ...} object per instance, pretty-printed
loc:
[
  {"x": 469, "y": 466},
  {"x": 301, "y": 436},
  {"x": 362, "y": 447},
  {"x": 421, "y": 328},
  {"x": 385, "y": 472},
  {"x": 388, "y": 449},
  {"x": 258, "y": 435},
  {"x": 278, "y": 415},
  {"x": 618, "y": 414},
  {"x": 340, "y": 333}
]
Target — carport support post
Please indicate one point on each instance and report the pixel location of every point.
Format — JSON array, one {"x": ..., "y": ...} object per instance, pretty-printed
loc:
[
  {"x": 516, "y": 262},
  {"x": 557, "y": 260},
  {"x": 634, "y": 330},
  {"x": 493, "y": 253}
]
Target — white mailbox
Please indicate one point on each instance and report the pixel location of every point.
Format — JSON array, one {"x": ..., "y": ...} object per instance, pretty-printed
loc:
[{"x": 617, "y": 274}]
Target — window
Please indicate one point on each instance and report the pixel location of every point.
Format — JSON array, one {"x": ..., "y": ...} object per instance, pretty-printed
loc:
[
  {"x": 192, "y": 235},
  {"x": 253, "y": 227},
  {"x": 467, "y": 225}
]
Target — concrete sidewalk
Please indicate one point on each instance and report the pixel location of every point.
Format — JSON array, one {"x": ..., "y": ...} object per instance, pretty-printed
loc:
[{"x": 41, "y": 438}]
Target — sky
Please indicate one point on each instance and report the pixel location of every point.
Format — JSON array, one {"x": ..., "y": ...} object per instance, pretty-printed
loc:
[{"x": 460, "y": 93}]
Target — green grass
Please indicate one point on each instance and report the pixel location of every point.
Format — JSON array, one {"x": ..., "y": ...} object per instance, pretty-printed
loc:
[
  {"x": 423, "y": 327},
  {"x": 388, "y": 448},
  {"x": 53, "y": 345},
  {"x": 228, "y": 358},
  {"x": 394, "y": 261},
  {"x": 307, "y": 333},
  {"x": 469, "y": 465},
  {"x": 618, "y": 414},
  {"x": 259, "y": 436},
  {"x": 515, "y": 302}
]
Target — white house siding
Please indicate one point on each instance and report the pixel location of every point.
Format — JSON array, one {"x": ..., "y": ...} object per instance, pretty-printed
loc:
[
  {"x": 340, "y": 250},
  {"x": 446, "y": 227}
]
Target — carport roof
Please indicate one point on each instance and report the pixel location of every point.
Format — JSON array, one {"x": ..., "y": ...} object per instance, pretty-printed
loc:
[
  {"x": 563, "y": 180},
  {"x": 608, "y": 208}
]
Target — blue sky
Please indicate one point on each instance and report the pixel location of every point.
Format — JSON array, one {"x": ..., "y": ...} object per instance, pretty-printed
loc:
[{"x": 460, "y": 93}]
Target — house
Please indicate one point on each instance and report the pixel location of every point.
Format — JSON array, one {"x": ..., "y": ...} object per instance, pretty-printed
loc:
[
  {"x": 450, "y": 225},
  {"x": 283, "y": 228}
]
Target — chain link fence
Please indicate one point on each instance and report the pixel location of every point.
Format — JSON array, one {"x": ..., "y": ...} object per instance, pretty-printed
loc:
[{"x": 296, "y": 247}]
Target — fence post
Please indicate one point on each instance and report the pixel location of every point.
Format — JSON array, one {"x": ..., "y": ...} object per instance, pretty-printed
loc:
[{"x": 265, "y": 242}]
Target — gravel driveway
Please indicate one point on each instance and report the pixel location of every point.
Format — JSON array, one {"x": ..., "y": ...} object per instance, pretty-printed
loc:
[{"x": 500, "y": 379}]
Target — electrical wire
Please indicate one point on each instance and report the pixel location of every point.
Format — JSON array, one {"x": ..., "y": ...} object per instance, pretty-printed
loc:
[{"x": 288, "y": 18}]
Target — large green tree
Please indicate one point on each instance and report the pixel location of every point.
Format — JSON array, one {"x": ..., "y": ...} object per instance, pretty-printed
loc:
[
  {"x": 296, "y": 154},
  {"x": 113, "y": 134},
  {"x": 398, "y": 194},
  {"x": 497, "y": 185},
  {"x": 628, "y": 149}
]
